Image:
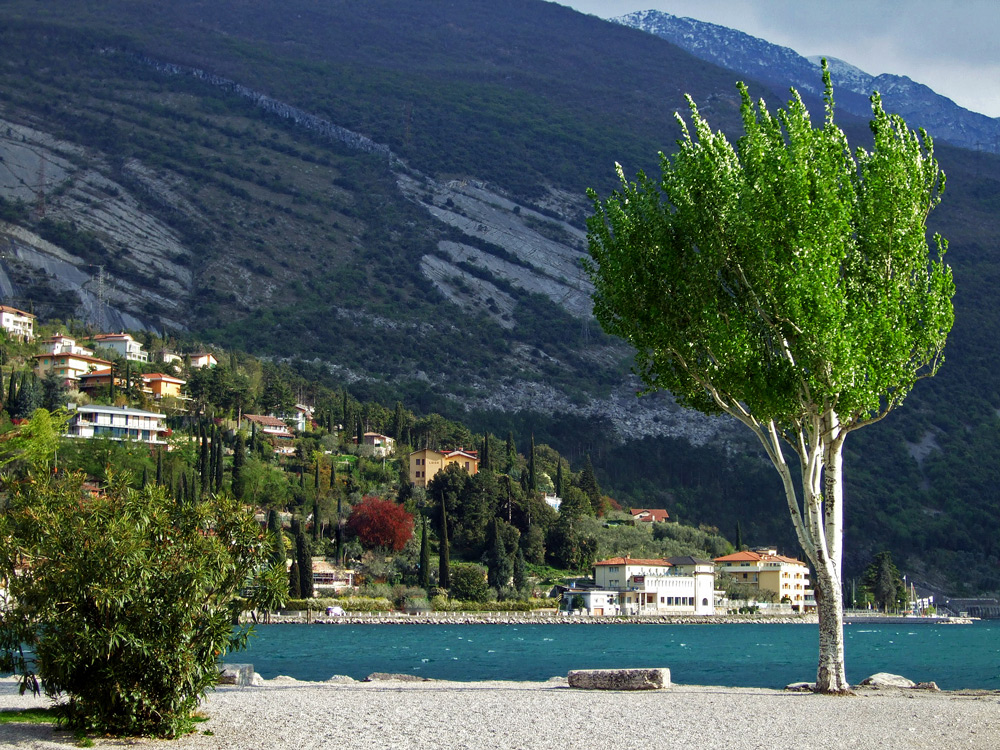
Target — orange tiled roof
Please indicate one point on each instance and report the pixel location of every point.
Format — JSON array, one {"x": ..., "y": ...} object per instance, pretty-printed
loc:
[{"x": 634, "y": 561}]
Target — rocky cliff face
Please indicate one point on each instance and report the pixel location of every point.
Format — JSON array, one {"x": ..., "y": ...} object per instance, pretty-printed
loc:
[
  {"x": 781, "y": 68},
  {"x": 142, "y": 279}
]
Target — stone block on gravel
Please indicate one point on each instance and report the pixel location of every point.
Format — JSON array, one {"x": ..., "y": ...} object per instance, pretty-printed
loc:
[
  {"x": 886, "y": 680},
  {"x": 240, "y": 675},
  {"x": 388, "y": 676},
  {"x": 620, "y": 679}
]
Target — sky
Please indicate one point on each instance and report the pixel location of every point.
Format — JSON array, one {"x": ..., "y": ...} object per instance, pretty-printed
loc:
[{"x": 952, "y": 46}]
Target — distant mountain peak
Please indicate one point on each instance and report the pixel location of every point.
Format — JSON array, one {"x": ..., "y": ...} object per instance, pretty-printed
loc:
[{"x": 781, "y": 68}]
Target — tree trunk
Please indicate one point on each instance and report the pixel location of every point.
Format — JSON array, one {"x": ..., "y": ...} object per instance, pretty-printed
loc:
[{"x": 831, "y": 677}]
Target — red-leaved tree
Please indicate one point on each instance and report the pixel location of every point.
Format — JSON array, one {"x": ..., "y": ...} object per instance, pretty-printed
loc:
[{"x": 381, "y": 523}]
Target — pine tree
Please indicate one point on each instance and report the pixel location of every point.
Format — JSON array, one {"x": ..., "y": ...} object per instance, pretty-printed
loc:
[{"x": 425, "y": 559}]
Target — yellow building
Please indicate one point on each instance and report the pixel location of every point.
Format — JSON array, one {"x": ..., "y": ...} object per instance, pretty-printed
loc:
[
  {"x": 160, "y": 384},
  {"x": 425, "y": 463},
  {"x": 766, "y": 570},
  {"x": 69, "y": 367}
]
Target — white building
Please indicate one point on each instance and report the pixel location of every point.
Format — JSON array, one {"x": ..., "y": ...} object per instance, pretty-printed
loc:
[
  {"x": 123, "y": 344},
  {"x": 117, "y": 423},
  {"x": 17, "y": 323},
  {"x": 658, "y": 587},
  {"x": 62, "y": 344}
]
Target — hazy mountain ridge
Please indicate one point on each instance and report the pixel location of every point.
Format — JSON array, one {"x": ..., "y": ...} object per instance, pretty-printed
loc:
[{"x": 781, "y": 68}]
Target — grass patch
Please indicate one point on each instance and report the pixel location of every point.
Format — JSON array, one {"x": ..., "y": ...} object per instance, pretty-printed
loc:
[{"x": 28, "y": 716}]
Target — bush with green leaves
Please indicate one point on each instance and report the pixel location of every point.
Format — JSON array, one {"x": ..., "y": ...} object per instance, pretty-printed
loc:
[{"x": 120, "y": 602}]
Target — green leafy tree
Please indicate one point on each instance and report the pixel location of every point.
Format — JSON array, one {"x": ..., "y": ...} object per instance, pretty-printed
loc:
[
  {"x": 130, "y": 646},
  {"x": 468, "y": 583},
  {"x": 789, "y": 284}
]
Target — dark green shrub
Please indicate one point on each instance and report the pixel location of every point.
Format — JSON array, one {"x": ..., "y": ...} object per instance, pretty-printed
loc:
[{"x": 123, "y": 601}]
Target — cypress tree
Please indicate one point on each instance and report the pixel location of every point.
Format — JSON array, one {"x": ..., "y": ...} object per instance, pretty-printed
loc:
[
  {"x": 496, "y": 560},
  {"x": 559, "y": 478},
  {"x": 278, "y": 556},
  {"x": 317, "y": 528},
  {"x": 485, "y": 461},
  {"x": 739, "y": 536},
  {"x": 520, "y": 572},
  {"x": 361, "y": 434},
  {"x": 444, "y": 562},
  {"x": 532, "y": 484},
  {"x": 239, "y": 460},
  {"x": 304, "y": 559},
  {"x": 220, "y": 463},
  {"x": 145, "y": 476},
  {"x": 11, "y": 390},
  {"x": 203, "y": 464},
  {"x": 294, "y": 581},
  {"x": 425, "y": 559},
  {"x": 184, "y": 487},
  {"x": 159, "y": 467},
  {"x": 340, "y": 527},
  {"x": 511, "y": 452}
]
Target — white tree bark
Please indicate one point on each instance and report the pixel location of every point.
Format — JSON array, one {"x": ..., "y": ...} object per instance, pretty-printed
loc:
[{"x": 818, "y": 521}]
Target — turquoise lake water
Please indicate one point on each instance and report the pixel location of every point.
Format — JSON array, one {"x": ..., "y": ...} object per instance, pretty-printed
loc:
[{"x": 954, "y": 656}]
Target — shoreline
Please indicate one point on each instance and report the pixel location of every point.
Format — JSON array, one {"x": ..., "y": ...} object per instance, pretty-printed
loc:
[
  {"x": 517, "y": 618},
  {"x": 539, "y": 715}
]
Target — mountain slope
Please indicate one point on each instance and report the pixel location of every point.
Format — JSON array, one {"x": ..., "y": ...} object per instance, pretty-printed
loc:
[{"x": 393, "y": 195}]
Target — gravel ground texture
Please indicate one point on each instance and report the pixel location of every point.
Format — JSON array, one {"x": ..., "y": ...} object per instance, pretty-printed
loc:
[{"x": 286, "y": 713}]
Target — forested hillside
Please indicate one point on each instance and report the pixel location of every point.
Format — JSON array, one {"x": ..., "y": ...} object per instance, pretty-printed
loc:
[{"x": 391, "y": 197}]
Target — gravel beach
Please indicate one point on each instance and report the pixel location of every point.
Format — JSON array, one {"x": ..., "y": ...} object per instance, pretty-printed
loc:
[{"x": 285, "y": 713}]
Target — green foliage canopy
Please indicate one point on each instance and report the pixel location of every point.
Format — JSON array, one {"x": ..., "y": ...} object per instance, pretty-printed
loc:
[
  {"x": 789, "y": 284},
  {"x": 121, "y": 602}
]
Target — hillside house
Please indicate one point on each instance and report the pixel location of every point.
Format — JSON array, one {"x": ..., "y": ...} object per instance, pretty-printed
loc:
[
  {"x": 62, "y": 344},
  {"x": 650, "y": 515},
  {"x": 203, "y": 359},
  {"x": 99, "y": 381},
  {"x": 427, "y": 462},
  {"x": 123, "y": 344},
  {"x": 764, "y": 569},
  {"x": 381, "y": 445},
  {"x": 275, "y": 430},
  {"x": 17, "y": 323},
  {"x": 160, "y": 384},
  {"x": 117, "y": 423},
  {"x": 68, "y": 367}
]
